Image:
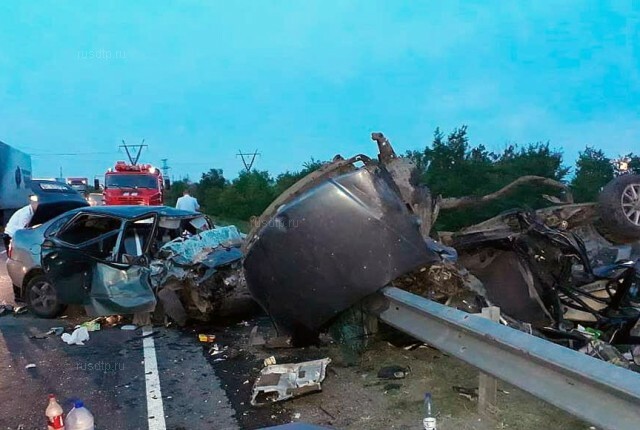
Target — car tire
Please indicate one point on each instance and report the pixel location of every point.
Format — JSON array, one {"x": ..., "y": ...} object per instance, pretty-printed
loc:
[
  {"x": 41, "y": 297},
  {"x": 619, "y": 209}
]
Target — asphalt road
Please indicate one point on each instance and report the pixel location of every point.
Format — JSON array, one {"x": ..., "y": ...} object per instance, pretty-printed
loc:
[{"x": 109, "y": 374}]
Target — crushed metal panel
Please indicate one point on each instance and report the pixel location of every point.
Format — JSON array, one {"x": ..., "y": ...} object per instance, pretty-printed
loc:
[
  {"x": 196, "y": 248},
  {"x": 284, "y": 381},
  {"x": 331, "y": 247},
  {"x": 120, "y": 291}
]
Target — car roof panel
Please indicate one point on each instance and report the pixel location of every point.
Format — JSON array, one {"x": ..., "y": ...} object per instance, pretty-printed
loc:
[{"x": 133, "y": 212}]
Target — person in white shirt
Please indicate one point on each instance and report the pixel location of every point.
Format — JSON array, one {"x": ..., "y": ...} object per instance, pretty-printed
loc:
[
  {"x": 19, "y": 220},
  {"x": 187, "y": 203}
]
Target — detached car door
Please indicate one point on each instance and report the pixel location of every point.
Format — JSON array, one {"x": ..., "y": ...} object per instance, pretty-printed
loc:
[{"x": 81, "y": 261}]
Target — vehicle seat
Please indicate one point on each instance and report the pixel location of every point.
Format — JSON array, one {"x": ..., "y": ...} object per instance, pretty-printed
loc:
[{"x": 132, "y": 243}]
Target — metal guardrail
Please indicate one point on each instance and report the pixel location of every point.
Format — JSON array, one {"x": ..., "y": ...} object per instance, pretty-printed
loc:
[{"x": 598, "y": 392}]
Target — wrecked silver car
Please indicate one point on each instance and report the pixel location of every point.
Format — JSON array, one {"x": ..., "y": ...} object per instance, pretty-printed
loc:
[
  {"x": 357, "y": 225},
  {"x": 106, "y": 258}
]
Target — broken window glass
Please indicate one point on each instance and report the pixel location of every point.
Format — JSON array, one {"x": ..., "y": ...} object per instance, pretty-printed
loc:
[
  {"x": 57, "y": 225},
  {"x": 136, "y": 238},
  {"x": 96, "y": 235}
]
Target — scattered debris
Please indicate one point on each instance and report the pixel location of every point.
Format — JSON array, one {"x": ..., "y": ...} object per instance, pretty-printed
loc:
[
  {"x": 30, "y": 366},
  {"x": 548, "y": 270},
  {"x": 5, "y": 309},
  {"x": 129, "y": 327},
  {"x": 255, "y": 338},
  {"x": 40, "y": 335},
  {"x": 429, "y": 420},
  {"x": 19, "y": 310},
  {"x": 284, "y": 381},
  {"x": 78, "y": 337},
  {"x": 269, "y": 361},
  {"x": 393, "y": 372},
  {"x": 57, "y": 331},
  {"x": 470, "y": 394},
  {"x": 215, "y": 349},
  {"x": 279, "y": 342},
  {"x": 206, "y": 338},
  {"x": 113, "y": 320},
  {"x": 606, "y": 352},
  {"x": 93, "y": 325}
]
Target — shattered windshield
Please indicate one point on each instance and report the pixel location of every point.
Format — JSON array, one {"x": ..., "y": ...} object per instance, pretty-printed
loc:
[{"x": 131, "y": 181}]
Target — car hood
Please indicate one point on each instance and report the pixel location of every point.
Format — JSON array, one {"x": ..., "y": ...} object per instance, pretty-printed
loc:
[{"x": 49, "y": 210}]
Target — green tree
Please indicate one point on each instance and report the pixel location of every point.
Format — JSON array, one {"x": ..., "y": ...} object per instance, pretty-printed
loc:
[
  {"x": 248, "y": 195},
  {"x": 453, "y": 168},
  {"x": 287, "y": 179},
  {"x": 210, "y": 188},
  {"x": 593, "y": 171},
  {"x": 171, "y": 195},
  {"x": 635, "y": 164}
]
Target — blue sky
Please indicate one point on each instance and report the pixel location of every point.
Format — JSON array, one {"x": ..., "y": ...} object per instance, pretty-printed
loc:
[{"x": 300, "y": 79}]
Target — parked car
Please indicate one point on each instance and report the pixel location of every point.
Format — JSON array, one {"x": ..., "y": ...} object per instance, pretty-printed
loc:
[
  {"x": 54, "y": 198},
  {"x": 98, "y": 256},
  {"x": 95, "y": 199}
]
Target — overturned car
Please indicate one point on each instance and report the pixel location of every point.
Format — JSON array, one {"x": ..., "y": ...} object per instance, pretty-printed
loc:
[
  {"x": 120, "y": 259},
  {"x": 357, "y": 225}
]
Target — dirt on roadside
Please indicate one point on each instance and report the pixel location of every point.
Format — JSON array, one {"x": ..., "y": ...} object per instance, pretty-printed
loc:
[{"x": 354, "y": 398}]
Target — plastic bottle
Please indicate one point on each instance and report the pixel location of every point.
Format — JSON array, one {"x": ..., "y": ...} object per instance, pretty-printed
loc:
[
  {"x": 429, "y": 421},
  {"x": 54, "y": 414},
  {"x": 79, "y": 418}
]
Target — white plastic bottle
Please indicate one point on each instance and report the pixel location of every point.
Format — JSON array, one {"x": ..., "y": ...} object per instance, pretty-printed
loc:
[
  {"x": 54, "y": 414},
  {"x": 429, "y": 421},
  {"x": 79, "y": 418}
]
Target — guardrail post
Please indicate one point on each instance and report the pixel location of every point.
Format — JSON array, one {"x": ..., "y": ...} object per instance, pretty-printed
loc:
[{"x": 488, "y": 385}]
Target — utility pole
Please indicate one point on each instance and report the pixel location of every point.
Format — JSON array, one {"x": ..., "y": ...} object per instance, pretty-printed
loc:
[
  {"x": 165, "y": 167},
  {"x": 133, "y": 160},
  {"x": 248, "y": 164}
]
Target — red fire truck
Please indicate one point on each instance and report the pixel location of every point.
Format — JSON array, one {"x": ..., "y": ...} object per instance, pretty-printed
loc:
[{"x": 134, "y": 184}]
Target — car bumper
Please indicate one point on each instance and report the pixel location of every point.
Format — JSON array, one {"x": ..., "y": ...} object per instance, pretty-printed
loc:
[{"x": 16, "y": 271}]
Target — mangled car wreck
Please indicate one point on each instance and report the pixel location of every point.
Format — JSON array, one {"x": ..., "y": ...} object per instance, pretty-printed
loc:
[
  {"x": 121, "y": 259},
  {"x": 357, "y": 225}
]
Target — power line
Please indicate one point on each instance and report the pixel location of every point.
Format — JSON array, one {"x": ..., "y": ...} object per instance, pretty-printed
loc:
[
  {"x": 70, "y": 154},
  {"x": 248, "y": 164},
  {"x": 165, "y": 167},
  {"x": 133, "y": 160}
]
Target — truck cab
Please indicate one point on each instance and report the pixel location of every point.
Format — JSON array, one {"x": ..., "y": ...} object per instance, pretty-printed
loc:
[
  {"x": 133, "y": 184},
  {"x": 79, "y": 184}
]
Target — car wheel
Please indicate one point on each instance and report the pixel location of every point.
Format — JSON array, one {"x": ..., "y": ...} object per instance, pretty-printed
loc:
[
  {"x": 619, "y": 207},
  {"x": 42, "y": 298}
]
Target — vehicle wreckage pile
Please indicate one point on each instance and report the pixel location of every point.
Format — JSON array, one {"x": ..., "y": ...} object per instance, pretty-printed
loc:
[
  {"x": 569, "y": 273},
  {"x": 199, "y": 276}
]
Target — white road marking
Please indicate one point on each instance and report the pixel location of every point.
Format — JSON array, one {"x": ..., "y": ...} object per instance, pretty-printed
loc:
[{"x": 155, "y": 410}]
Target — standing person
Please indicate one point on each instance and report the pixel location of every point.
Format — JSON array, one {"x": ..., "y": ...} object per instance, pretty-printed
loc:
[
  {"x": 187, "y": 203},
  {"x": 19, "y": 220}
]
